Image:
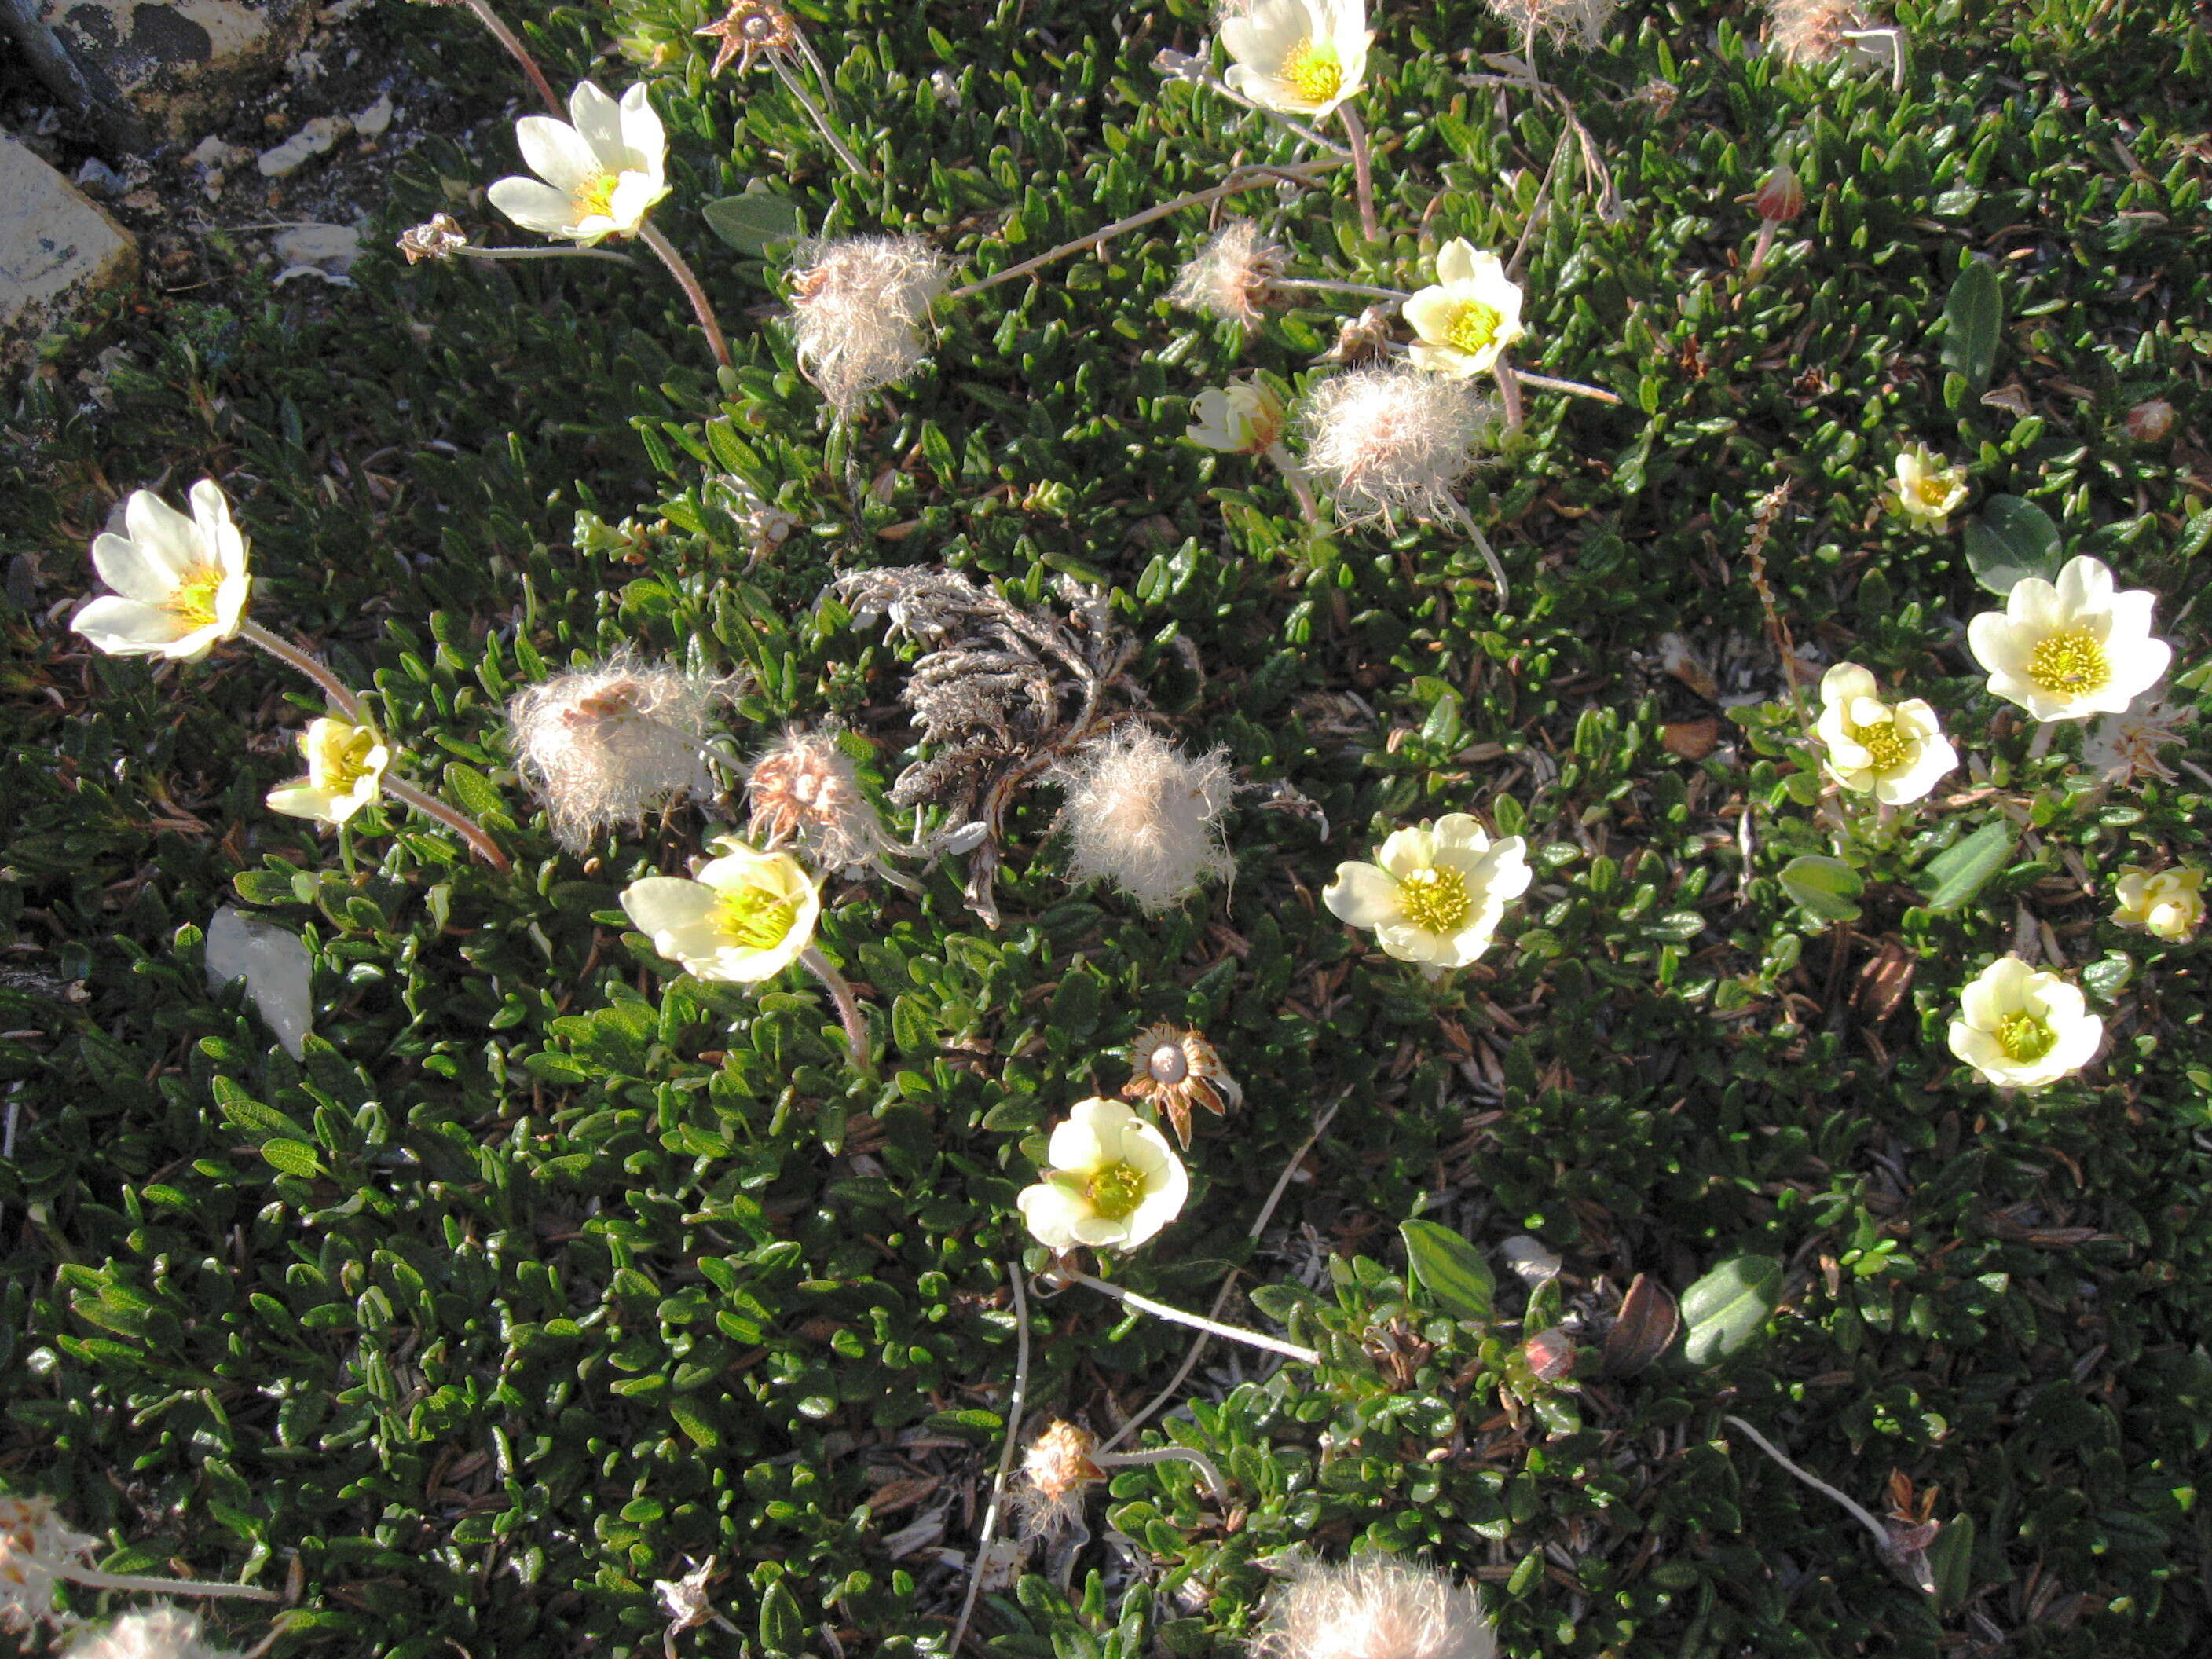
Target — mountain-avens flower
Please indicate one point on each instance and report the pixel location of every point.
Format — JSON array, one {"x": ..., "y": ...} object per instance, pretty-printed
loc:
[
  {"x": 1893, "y": 752},
  {"x": 1470, "y": 314},
  {"x": 1375, "y": 1607},
  {"x": 1297, "y": 57},
  {"x": 1928, "y": 490},
  {"x": 1245, "y": 417},
  {"x": 2069, "y": 651},
  {"x": 345, "y": 772},
  {"x": 1436, "y": 894},
  {"x": 180, "y": 583},
  {"x": 2023, "y": 1028},
  {"x": 1113, "y": 1181},
  {"x": 2169, "y": 905},
  {"x": 599, "y": 172},
  {"x": 745, "y": 917}
]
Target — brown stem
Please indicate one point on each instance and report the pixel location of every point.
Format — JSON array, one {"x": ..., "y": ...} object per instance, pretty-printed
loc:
[
  {"x": 1363, "y": 176},
  {"x": 820, "y": 118},
  {"x": 1509, "y": 391},
  {"x": 849, "y": 1006},
  {"x": 1295, "y": 476},
  {"x": 701, "y": 307},
  {"x": 507, "y": 37},
  {"x": 459, "y": 822},
  {"x": 316, "y": 670}
]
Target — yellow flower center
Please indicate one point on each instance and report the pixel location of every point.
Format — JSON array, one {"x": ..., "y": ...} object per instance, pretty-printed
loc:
[
  {"x": 347, "y": 764},
  {"x": 754, "y": 918},
  {"x": 2070, "y": 663},
  {"x": 1434, "y": 899},
  {"x": 1886, "y": 746},
  {"x": 2025, "y": 1037},
  {"x": 1473, "y": 326},
  {"x": 594, "y": 197},
  {"x": 192, "y": 600},
  {"x": 1932, "y": 490},
  {"x": 1314, "y": 71},
  {"x": 1116, "y": 1191}
]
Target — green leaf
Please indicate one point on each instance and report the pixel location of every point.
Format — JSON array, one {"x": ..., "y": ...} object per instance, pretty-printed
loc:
[
  {"x": 703, "y": 1434},
  {"x": 1450, "y": 1269},
  {"x": 1824, "y": 887},
  {"x": 292, "y": 1158},
  {"x": 1950, "y": 1561},
  {"x": 1729, "y": 1306},
  {"x": 475, "y": 793},
  {"x": 782, "y": 1625},
  {"x": 1954, "y": 876},
  {"x": 2013, "y": 539},
  {"x": 1973, "y": 318},
  {"x": 754, "y": 224}
]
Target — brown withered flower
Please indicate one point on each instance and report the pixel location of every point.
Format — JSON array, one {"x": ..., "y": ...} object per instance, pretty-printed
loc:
[
  {"x": 748, "y": 28},
  {"x": 1057, "y": 1467},
  {"x": 1175, "y": 1069},
  {"x": 441, "y": 238}
]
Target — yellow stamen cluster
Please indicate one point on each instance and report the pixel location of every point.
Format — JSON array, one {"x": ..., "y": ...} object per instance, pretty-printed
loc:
[
  {"x": 2069, "y": 663},
  {"x": 1434, "y": 899},
  {"x": 192, "y": 600},
  {"x": 1315, "y": 69},
  {"x": 1116, "y": 1191},
  {"x": 594, "y": 196},
  {"x": 1474, "y": 327},
  {"x": 1885, "y": 745},
  {"x": 753, "y": 919},
  {"x": 2025, "y": 1038}
]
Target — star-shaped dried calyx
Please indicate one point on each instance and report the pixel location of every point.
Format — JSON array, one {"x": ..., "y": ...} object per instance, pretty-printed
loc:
[
  {"x": 747, "y": 29},
  {"x": 1175, "y": 1070}
]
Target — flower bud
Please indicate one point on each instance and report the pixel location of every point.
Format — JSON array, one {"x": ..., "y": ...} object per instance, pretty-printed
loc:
[
  {"x": 1781, "y": 198},
  {"x": 1550, "y": 1354}
]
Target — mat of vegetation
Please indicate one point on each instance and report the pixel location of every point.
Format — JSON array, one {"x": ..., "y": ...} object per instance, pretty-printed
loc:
[{"x": 546, "y": 1274}]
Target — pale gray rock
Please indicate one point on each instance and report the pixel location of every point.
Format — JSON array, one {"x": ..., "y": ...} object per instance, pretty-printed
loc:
[
  {"x": 329, "y": 248},
  {"x": 275, "y": 966},
  {"x": 55, "y": 245},
  {"x": 1529, "y": 1258},
  {"x": 313, "y": 138}
]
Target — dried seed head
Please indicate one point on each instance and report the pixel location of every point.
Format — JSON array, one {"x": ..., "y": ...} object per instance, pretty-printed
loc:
[
  {"x": 1812, "y": 31},
  {"x": 441, "y": 238},
  {"x": 2122, "y": 748},
  {"x": 609, "y": 744},
  {"x": 160, "y": 1632},
  {"x": 1145, "y": 816},
  {"x": 2149, "y": 421},
  {"x": 1055, "y": 1469},
  {"x": 1376, "y": 1607},
  {"x": 1579, "y": 21},
  {"x": 858, "y": 309},
  {"x": 1173, "y": 1070},
  {"x": 35, "y": 1551},
  {"x": 1232, "y": 275},
  {"x": 804, "y": 790},
  {"x": 1389, "y": 441}
]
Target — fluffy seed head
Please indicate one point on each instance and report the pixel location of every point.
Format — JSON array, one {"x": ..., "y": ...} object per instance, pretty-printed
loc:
[
  {"x": 1055, "y": 1470},
  {"x": 804, "y": 790},
  {"x": 609, "y": 744},
  {"x": 858, "y": 307},
  {"x": 1144, "y": 816},
  {"x": 1812, "y": 31},
  {"x": 1579, "y": 21},
  {"x": 1232, "y": 274},
  {"x": 36, "y": 1549},
  {"x": 1389, "y": 441},
  {"x": 1376, "y": 1607},
  {"x": 160, "y": 1632}
]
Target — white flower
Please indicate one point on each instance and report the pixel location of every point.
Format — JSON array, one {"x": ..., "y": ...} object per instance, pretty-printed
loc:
[
  {"x": 158, "y": 1632},
  {"x": 1113, "y": 1181},
  {"x": 745, "y": 917},
  {"x": 1436, "y": 894},
  {"x": 1244, "y": 418},
  {"x": 2022, "y": 1028},
  {"x": 182, "y": 581},
  {"x": 1926, "y": 488},
  {"x": 345, "y": 772},
  {"x": 1470, "y": 315},
  {"x": 2170, "y": 904},
  {"x": 1297, "y": 57},
  {"x": 2071, "y": 651},
  {"x": 602, "y": 173},
  {"x": 1893, "y": 752},
  {"x": 1387, "y": 440}
]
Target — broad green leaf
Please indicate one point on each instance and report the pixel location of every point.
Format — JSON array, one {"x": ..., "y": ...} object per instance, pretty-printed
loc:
[
  {"x": 1973, "y": 318},
  {"x": 754, "y": 224},
  {"x": 1950, "y": 1563},
  {"x": 2011, "y": 540},
  {"x": 1729, "y": 1306},
  {"x": 1824, "y": 887},
  {"x": 1954, "y": 876},
  {"x": 1450, "y": 1269},
  {"x": 292, "y": 1158},
  {"x": 782, "y": 1625}
]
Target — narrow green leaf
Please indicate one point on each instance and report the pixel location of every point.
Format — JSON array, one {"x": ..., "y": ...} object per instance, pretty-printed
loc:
[
  {"x": 292, "y": 1158},
  {"x": 1450, "y": 1269},
  {"x": 1729, "y": 1306},
  {"x": 1954, "y": 876},
  {"x": 2011, "y": 540},
  {"x": 1824, "y": 887},
  {"x": 1973, "y": 318}
]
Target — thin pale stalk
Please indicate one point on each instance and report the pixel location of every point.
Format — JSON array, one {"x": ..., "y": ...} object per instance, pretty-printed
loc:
[
  {"x": 2040, "y": 745},
  {"x": 507, "y": 37},
  {"x": 1322, "y": 285},
  {"x": 1858, "y": 1511},
  {"x": 1014, "y": 1277},
  {"x": 1508, "y": 392},
  {"x": 1573, "y": 388},
  {"x": 819, "y": 116},
  {"x": 547, "y": 253},
  {"x": 459, "y": 822},
  {"x": 686, "y": 279},
  {"x": 1362, "y": 174},
  {"x": 1296, "y": 476},
  {"x": 1482, "y": 546},
  {"x": 1190, "y": 1455},
  {"x": 1196, "y": 1321},
  {"x": 1242, "y": 178},
  {"x": 1543, "y": 205},
  {"x": 291, "y": 656},
  {"x": 92, "y": 1578},
  {"x": 1761, "y": 248},
  {"x": 849, "y": 1006}
]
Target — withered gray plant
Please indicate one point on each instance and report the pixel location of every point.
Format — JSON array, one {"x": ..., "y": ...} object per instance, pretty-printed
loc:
[{"x": 1005, "y": 694}]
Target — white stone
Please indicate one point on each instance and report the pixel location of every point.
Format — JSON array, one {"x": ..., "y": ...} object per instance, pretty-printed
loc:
[
  {"x": 275, "y": 966},
  {"x": 372, "y": 122},
  {"x": 1529, "y": 1259},
  {"x": 332, "y": 248},
  {"x": 54, "y": 244},
  {"x": 313, "y": 139}
]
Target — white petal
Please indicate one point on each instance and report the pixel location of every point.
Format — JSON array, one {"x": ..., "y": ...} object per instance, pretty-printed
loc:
[
  {"x": 1050, "y": 1212},
  {"x": 634, "y": 195},
  {"x": 1163, "y": 1203},
  {"x": 555, "y": 151},
  {"x": 226, "y": 547},
  {"x": 642, "y": 134},
  {"x": 1095, "y": 1230},
  {"x": 302, "y": 799},
  {"x": 2085, "y": 584},
  {"x": 1449, "y": 362},
  {"x": 1461, "y": 832},
  {"x": 1456, "y": 262},
  {"x": 1362, "y": 895},
  {"x": 2034, "y": 603},
  {"x": 135, "y": 572},
  {"x": 1992, "y": 638},
  {"x": 1410, "y": 944},
  {"x": 668, "y": 907},
  {"x": 533, "y": 206},
  {"x": 125, "y": 628},
  {"x": 596, "y": 119},
  {"x": 162, "y": 533},
  {"x": 1407, "y": 850},
  {"x": 2134, "y": 670}
]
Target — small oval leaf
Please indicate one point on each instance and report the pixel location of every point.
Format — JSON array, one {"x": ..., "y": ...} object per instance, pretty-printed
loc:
[
  {"x": 1957, "y": 874},
  {"x": 1973, "y": 318},
  {"x": 2011, "y": 540},
  {"x": 1729, "y": 1306},
  {"x": 1450, "y": 1269},
  {"x": 1824, "y": 887}
]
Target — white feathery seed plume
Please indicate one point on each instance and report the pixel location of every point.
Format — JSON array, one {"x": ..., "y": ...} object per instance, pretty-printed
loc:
[
  {"x": 1580, "y": 20},
  {"x": 804, "y": 790},
  {"x": 1392, "y": 441},
  {"x": 858, "y": 306},
  {"x": 1375, "y": 1606},
  {"x": 1231, "y": 274},
  {"x": 160, "y": 1632},
  {"x": 1145, "y": 816},
  {"x": 608, "y": 743},
  {"x": 1814, "y": 31}
]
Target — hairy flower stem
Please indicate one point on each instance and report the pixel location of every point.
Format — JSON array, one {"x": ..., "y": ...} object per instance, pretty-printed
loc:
[
  {"x": 1362, "y": 174},
  {"x": 291, "y": 656},
  {"x": 1322, "y": 285},
  {"x": 1014, "y": 1405},
  {"x": 849, "y": 1006},
  {"x": 507, "y": 37},
  {"x": 1196, "y": 1321},
  {"x": 819, "y": 116},
  {"x": 459, "y": 822},
  {"x": 1508, "y": 392},
  {"x": 92, "y": 1578},
  {"x": 688, "y": 280},
  {"x": 1241, "y": 179},
  {"x": 1482, "y": 546},
  {"x": 1191, "y": 1455},
  {"x": 1573, "y": 388},
  {"x": 547, "y": 253},
  {"x": 1296, "y": 478}
]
